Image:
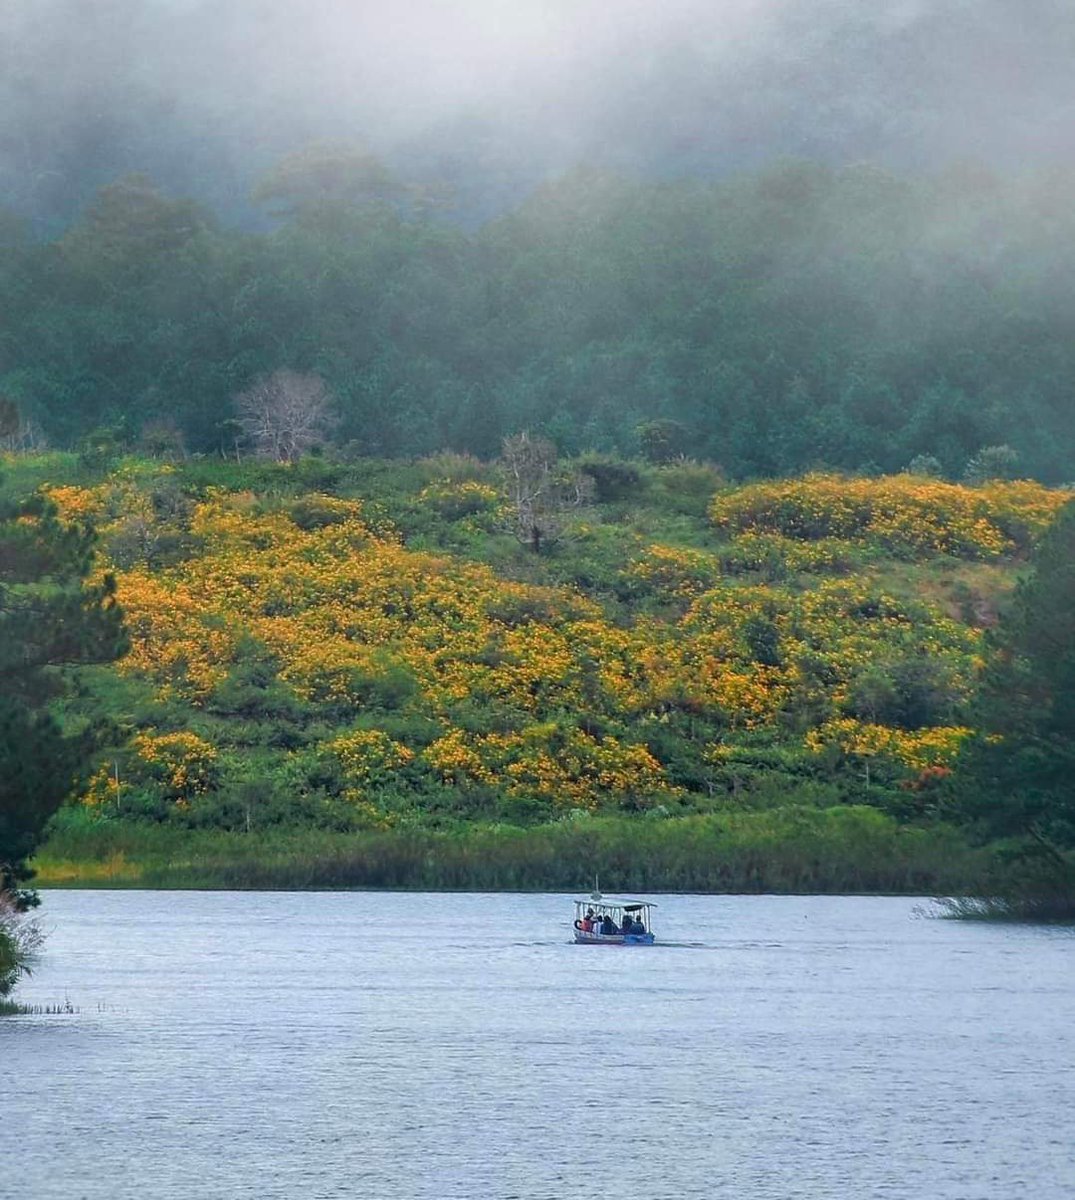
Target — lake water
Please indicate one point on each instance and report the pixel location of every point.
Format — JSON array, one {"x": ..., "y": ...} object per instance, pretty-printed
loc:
[{"x": 315, "y": 1045}]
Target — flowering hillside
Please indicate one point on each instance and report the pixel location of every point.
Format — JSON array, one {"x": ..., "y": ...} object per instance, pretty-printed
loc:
[{"x": 295, "y": 658}]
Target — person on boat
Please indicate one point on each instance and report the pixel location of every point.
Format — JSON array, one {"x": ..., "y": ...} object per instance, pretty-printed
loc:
[
  {"x": 586, "y": 924},
  {"x": 627, "y": 925},
  {"x": 637, "y": 926},
  {"x": 608, "y": 926}
]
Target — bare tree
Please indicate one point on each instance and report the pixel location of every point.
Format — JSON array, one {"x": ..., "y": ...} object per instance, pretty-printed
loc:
[
  {"x": 17, "y": 433},
  {"x": 285, "y": 413},
  {"x": 541, "y": 494}
]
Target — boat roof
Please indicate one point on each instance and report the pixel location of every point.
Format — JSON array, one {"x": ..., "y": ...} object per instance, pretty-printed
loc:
[{"x": 616, "y": 902}]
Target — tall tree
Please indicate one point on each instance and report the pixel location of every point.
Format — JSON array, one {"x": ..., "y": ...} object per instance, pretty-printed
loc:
[
  {"x": 541, "y": 494},
  {"x": 51, "y": 617},
  {"x": 285, "y": 414},
  {"x": 326, "y": 178},
  {"x": 1016, "y": 778}
]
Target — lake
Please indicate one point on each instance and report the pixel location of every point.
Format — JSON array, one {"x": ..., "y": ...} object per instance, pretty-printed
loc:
[{"x": 315, "y": 1045}]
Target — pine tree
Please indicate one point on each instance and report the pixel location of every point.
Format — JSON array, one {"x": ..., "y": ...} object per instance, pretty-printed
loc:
[
  {"x": 51, "y": 618},
  {"x": 1016, "y": 779}
]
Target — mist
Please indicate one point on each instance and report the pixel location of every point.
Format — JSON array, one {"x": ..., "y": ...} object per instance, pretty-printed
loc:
[{"x": 494, "y": 98}]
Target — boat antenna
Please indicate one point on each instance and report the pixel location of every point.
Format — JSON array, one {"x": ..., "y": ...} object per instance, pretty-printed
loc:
[{"x": 596, "y": 893}]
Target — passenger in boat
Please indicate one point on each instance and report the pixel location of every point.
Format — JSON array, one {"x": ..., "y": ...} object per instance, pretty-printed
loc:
[
  {"x": 627, "y": 925},
  {"x": 608, "y": 926},
  {"x": 586, "y": 924},
  {"x": 637, "y": 926}
]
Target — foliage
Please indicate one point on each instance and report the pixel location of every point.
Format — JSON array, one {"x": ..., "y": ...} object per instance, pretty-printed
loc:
[
  {"x": 992, "y": 462},
  {"x": 663, "y": 440},
  {"x": 673, "y": 572},
  {"x": 902, "y": 514},
  {"x": 926, "y": 465},
  {"x": 51, "y": 617},
  {"x": 612, "y": 478},
  {"x": 1015, "y": 776},
  {"x": 20, "y": 940},
  {"x": 1019, "y": 771},
  {"x": 317, "y": 182},
  {"x": 294, "y": 663},
  {"x": 846, "y": 848},
  {"x": 305, "y": 627},
  {"x": 772, "y": 322}
]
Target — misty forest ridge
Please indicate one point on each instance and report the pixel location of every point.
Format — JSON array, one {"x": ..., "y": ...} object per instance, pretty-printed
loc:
[{"x": 576, "y": 222}]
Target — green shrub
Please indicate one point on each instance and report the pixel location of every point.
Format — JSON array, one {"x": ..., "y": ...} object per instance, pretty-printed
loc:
[
  {"x": 688, "y": 486},
  {"x": 613, "y": 479}
]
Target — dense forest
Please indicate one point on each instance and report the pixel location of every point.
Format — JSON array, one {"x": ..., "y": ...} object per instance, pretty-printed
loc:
[
  {"x": 579, "y": 221},
  {"x": 797, "y": 318}
]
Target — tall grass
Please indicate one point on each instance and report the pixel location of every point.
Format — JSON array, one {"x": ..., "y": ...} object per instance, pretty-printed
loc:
[
  {"x": 1042, "y": 893},
  {"x": 845, "y": 849}
]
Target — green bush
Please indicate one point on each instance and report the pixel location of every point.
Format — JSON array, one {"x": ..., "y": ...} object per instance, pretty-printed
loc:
[
  {"x": 613, "y": 479},
  {"x": 20, "y": 940}
]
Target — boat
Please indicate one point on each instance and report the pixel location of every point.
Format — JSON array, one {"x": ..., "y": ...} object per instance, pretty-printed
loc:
[{"x": 598, "y": 906}]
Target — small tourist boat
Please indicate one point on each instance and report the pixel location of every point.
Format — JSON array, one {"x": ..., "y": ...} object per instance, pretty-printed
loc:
[{"x": 590, "y": 915}]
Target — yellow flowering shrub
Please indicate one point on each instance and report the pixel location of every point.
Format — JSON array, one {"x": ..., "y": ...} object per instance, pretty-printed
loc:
[
  {"x": 175, "y": 637},
  {"x": 565, "y": 766},
  {"x": 455, "y": 758},
  {"x": 455, "y": 500},
  {"x": 836, "y": 629},
  {"x": 915, "y": 748},
  {"x": 183, "y": 762},
  {"x": 365, "y": 753},
  {"x": 78, "y": 503},
  {"x": 352, "y": 620},
  {"x": 100, "y": 789},
  {"x": 367, "y": 757},
  {"x": 904, "y": 514},
  {"x": 752, "y": 551},
  {"x": 673, "y": 573}
]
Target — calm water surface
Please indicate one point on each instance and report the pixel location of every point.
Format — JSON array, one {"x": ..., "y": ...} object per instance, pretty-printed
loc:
[{"x": 395, "y": 1046}]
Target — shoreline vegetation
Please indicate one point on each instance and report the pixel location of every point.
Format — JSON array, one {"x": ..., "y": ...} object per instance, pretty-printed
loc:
[{"x": 851, "y": 849}]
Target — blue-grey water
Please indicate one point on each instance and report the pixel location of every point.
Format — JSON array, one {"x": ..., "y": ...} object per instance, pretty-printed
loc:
[{"x": 310, "y": 1045}]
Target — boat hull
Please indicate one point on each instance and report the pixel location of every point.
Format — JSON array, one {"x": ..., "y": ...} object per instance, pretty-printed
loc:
[{"x": 613, "y": 939}]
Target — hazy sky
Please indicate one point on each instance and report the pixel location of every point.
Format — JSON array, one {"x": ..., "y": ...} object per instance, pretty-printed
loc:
[{"x": 498, "y": 94}]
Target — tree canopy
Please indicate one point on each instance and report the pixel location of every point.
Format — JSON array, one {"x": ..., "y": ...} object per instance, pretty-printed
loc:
[
  {"x": 1020, "y": 770},
  {"x": 775, "y": 322},
  {"x": 1016, "y": 778},
  {"x": 52, "y": 616}
]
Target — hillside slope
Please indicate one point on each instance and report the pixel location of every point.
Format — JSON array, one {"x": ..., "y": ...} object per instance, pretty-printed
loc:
[{"x": 366, "y": 650}]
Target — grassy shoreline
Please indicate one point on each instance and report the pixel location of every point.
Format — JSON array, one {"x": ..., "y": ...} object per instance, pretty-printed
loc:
[{"x": 823, "y": 851}]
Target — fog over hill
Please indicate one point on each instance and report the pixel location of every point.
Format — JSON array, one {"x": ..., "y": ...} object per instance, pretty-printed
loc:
[{"x": 495, "y": 97}]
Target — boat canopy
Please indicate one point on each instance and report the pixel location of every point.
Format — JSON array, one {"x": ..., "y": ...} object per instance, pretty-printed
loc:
[{"x": 612, "y": 902}]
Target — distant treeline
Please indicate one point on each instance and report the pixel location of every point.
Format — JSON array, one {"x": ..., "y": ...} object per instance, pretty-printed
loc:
[{"x": 791, "y": 319}]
